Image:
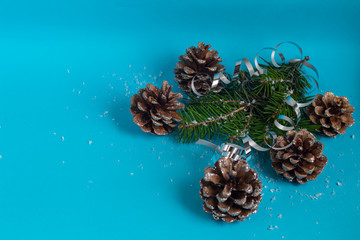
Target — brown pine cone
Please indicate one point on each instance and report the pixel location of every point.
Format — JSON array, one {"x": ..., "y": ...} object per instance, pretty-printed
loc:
[
  {"x": 154, "y": 109},
  {"x": 201, "y": 62},
  {"x": 302, "y": 161},
  {"x": 333, "y": 113},
  {"x": 231, "y": 190}
]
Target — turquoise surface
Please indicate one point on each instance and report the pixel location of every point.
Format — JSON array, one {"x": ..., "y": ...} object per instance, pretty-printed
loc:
[{"x": 73, "y": 165}]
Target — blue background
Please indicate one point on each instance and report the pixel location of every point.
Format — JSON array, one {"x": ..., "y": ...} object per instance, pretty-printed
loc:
[{"x": 73, "y": 164}]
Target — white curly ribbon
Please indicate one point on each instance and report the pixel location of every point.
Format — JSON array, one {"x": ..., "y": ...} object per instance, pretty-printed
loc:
[
  {"x": 227, "y": 150},
  {"x": 219, "y": 77},
  {"x": 257, "y": 71}
]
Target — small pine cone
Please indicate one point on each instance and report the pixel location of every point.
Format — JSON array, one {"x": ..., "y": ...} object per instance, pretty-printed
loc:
[
  {"x": 201, "y": 62},
  {"x": 154, "y": 109},
  {"x": 333, "y": 113},
  {"x": 231, "y": 190},
  {"x": 302, "y": 161}
]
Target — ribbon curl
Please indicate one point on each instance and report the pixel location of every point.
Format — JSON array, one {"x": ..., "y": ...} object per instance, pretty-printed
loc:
[{"x": 257, "y": 71}]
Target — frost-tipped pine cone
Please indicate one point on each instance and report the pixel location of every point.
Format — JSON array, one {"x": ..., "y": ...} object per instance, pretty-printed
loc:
[
  {"x": 231, "y": 190},
  {"x": 302, "y": 161},
  {"x": 154, "y": 109},
  {"x": 333, "y": 113},
  {"x": 201, "y": 62}
]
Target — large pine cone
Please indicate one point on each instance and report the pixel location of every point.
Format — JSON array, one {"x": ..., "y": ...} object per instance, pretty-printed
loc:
[
  {"x": 201, "y": 62},
  {"x": 154, "y": 109},
  {"x": 333, "y": 113},
  {"x": 231, "y": 190},
  {"x": 302, "y": 161}
]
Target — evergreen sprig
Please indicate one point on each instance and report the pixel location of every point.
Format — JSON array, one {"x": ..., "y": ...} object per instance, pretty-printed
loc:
[{"x": 247, "y": 106}]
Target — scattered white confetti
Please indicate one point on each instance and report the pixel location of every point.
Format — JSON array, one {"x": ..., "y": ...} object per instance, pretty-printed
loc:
[
  {"x": 353, "y": 136},
  {"x": 189, "y": 173},
  {"x": 272, "y": 199},
  {"x": 62, "y": 138},
  {"x": 318, "y": 195},
  {"x": 279, "y": 216},
  {"x": 171, "y": 180},
  {"x": 0, "y": 156},
  {"x": 68, "y": 71},
  {"x": 131, "y": 174},
  {"x": 274, "y": 190},
  {"x": 129, "y": 65},
  {"x": 333, "y": 192},
  {"x": 339, "y": 184},
  {"x": 270, "y": 227},
  {"x": 90, "y": 142}
]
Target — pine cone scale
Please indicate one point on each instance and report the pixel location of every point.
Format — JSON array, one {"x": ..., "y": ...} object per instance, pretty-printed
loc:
[
  {"x": 198, "y": 61},
  {"x": 154, "y": 109},
  {"x": 231, "y": 190},
  {"x": 332, "y": 112},
  {"x": 302, "y": 161}
]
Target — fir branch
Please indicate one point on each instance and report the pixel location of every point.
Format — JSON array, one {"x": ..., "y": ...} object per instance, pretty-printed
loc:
[
  {"x": 213, "y": 120},
  {"x": 226, "y": 114}
]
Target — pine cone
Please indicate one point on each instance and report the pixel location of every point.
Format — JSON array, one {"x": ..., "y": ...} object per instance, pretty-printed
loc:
[
  {"x": 201, "y": 62},
  {"x": 231, "y": 190},
  {"x": 333, "y": 113},
  {"x": 154, "y": 109},
  {"x": 302, "y": 161}
]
